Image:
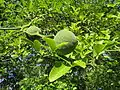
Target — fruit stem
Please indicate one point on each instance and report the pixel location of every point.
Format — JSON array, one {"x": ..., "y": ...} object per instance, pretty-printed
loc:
[
  {"x": 19, "y": 27},
  {"x": 10, "y": 28}
]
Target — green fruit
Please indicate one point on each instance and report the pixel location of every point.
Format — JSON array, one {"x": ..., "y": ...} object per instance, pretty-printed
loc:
[
  {"x": 33, "y": 30},
  {"x": 65, "y": 36}
]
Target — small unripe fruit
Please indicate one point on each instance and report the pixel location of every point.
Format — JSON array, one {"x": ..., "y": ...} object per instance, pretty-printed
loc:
[{"x": 65, "y": 36}]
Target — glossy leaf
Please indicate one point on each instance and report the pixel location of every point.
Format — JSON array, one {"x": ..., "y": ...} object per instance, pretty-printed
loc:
[
  {"x": 61, "y": 45},
  {"x": 97, "y": 49},
  {"x": 79, "y": 63},
  {"x": 51, "y": 43},
  {"x": 58, "y": 71},
  {"x": 37, "y": 45}
]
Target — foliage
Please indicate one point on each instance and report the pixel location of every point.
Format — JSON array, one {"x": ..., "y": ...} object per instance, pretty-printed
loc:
[{"x": 28, "y": 59}]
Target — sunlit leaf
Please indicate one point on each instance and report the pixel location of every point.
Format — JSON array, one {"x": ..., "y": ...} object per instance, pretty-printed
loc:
[
  {"x": 58, "y": 71},
  {"x": 37, "y": 45},
  {"x": 51, "y": 43},
  {"x": 111, "y": 5},
  {"x": 111, "y": 16},
  {"x": 97, "y": 49},
  {"x": 30, "y": 5},
  {"x": 99, "y": 15},
  {"x": 61, "y": 45},
  {"x": 79, "y": 63},
  {"x": 1, "y": 1}
]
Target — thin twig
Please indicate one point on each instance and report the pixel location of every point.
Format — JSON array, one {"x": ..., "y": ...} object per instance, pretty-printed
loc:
[
  {"x": 10, "y": 28},
  {"x": 64, "y": 60},
  {"x": 18, "y": 27},
  {"x": 113, "y": 50}
]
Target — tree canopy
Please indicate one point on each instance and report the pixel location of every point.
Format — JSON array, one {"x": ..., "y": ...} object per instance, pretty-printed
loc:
[{"x": 28, "y": 58}]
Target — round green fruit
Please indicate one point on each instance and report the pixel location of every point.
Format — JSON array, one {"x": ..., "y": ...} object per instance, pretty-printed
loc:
[{"x": 65, "y": 36}]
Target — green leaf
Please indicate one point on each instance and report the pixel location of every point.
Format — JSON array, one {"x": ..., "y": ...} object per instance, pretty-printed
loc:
[
  {"x": 111, "y": 16},
  {"x": 97, "y": 49},
  {"x": 57, "y": 71},
  {"x": 30, "y": 5},
  {"x": 111, "y": 5},
  {"x": 17, "y": 42},
  {"x": 39, "y": 60},
  {"x": 51, "y": 43},
  {"x": 82, "y": 17},
  {"x": 79, "y": 63},
  {"x": 2, "y": 1},
  {"x": 106, "y": 32},
  {"x": 61, "y": 45},
  {"x": 37, "y": 45},
  {"x": 99, "y": 15},
  {"x": 109, "y": 70},
  {"x": 28, "y": 41}
]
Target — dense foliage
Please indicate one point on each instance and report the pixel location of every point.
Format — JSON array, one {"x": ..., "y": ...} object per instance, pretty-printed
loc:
[{"x": 28, "y": 59}]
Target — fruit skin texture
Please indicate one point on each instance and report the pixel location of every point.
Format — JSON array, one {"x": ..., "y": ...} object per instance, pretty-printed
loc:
[{"x": 65, "y": 36}]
